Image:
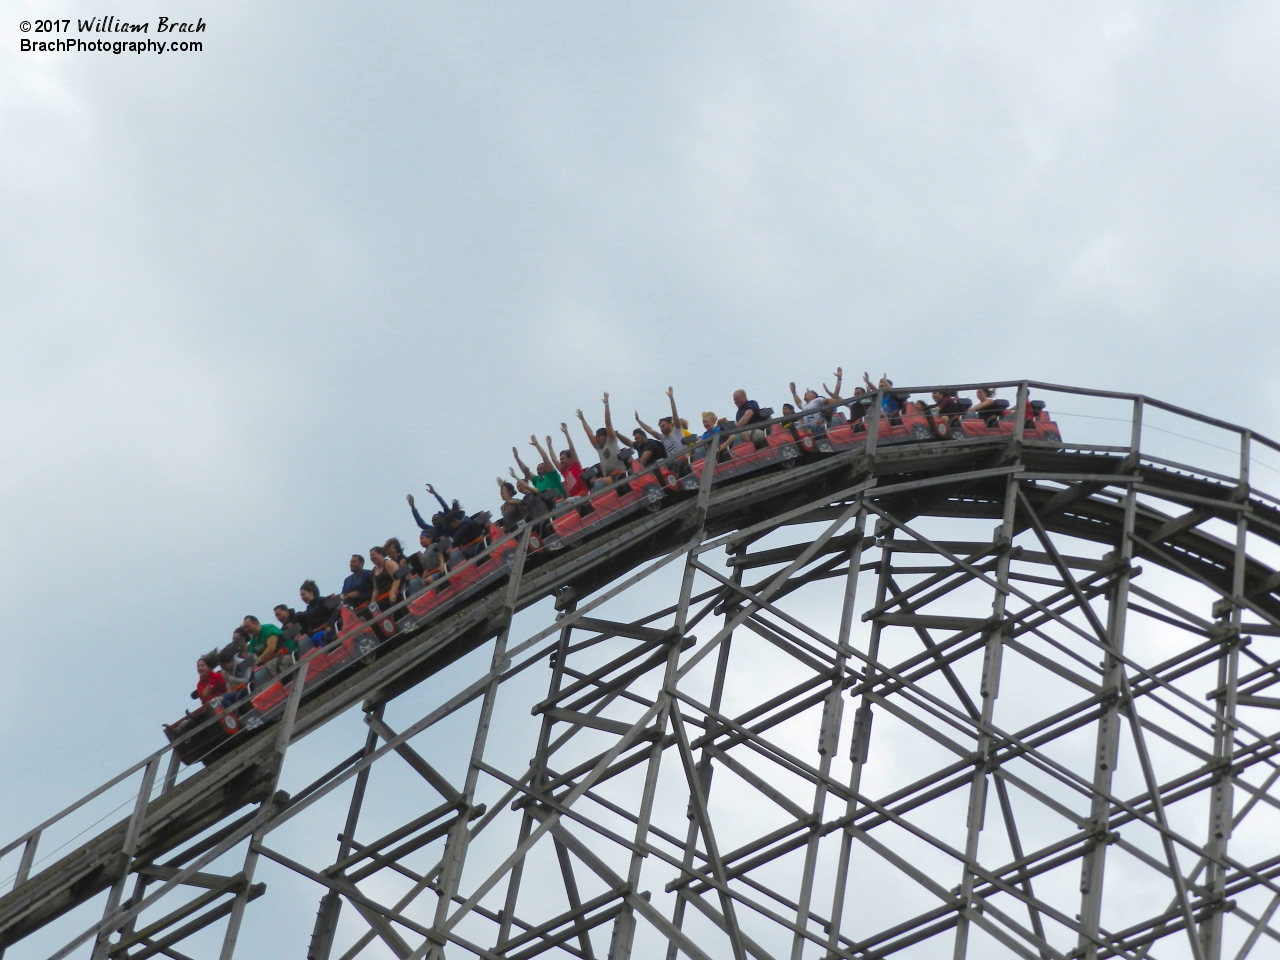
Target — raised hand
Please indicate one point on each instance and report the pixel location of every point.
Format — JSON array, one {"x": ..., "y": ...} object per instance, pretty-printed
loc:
[
  {"x": 637, "y": 416},
  {"x": 671, "y": 391},
  {"x": 839, "y": 373},
  {"x": 431, "y": 490},
  {"x": 512, "y": 471},
  {"x": 515, "y": 453},
  {"x": 409, "y": 497},
  {"x": 533, "y": 439},
  {"x": 579, "y": 413},
  {"x": 606, "y": 398},
  {"x": 792, "y": 385},
  {"x": 564, "y": 427}
]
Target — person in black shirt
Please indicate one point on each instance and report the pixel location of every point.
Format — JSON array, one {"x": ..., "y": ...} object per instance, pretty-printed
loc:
[
  {"x": 463, "y": 533},
  {"x": 859, "y": 405},
  {"x": 986, "y": 400},
  {"x": 748, "y": 414},
  {"x": 648, "y": 450},
  {"x": 386, "y": 585},
  {"x": 321, "y": 612}
]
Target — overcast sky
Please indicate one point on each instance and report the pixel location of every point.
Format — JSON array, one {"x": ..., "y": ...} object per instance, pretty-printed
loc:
[{"x": 251, "y": 296}]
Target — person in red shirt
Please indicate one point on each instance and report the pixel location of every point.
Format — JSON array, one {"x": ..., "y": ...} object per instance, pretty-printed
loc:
[
  {"x": 570, "y": 467},
  {"x": 211, "y": 682}
]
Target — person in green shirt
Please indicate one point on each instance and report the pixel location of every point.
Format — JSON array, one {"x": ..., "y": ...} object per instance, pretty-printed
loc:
[
  {"x": 547, "y": 477},
  {"x": 267, "y": 644}
]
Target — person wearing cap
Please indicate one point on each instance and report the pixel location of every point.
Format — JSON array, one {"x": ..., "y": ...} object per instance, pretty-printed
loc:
[{"x": 605, "y": 442}]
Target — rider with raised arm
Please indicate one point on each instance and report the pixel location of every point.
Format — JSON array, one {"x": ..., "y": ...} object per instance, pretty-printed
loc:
[
  {"x": 436, "y": 525},
  {"x": 891, "y": 403},
  {"x": 670, "y": 429},
  {"x": 835, "y": 394},
  {"x": 678, "y": 441},
  {"x": 570, "y": 466},
  {"x": 605, "y": 442},
  {"x": 649, "y": 451},
  {"x": 547, "y": 477},
  {"x": 813, "y": 402}
]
